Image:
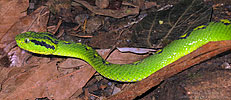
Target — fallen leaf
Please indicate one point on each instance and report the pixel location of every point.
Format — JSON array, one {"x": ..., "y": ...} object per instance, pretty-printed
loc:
[{"x": 9, "y": 15}]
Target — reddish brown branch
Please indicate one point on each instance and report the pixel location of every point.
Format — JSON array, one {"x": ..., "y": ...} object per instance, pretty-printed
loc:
[{"x": 203, "y": 53}]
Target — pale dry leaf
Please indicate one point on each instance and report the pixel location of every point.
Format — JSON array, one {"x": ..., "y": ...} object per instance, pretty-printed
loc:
[
  {"x": 121, "y": 58},
  {"x": 136, "y": 50}
]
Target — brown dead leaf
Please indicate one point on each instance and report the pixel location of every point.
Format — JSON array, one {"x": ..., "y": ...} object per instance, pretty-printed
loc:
[
  {"x": 11, "y": 12},
  {"x": 33, "y": 83},
  {"x": 65, "y": 86},
  {"x": 44, "y": 80}
]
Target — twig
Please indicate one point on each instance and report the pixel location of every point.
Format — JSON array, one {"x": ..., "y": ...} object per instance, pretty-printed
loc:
[
  {"x": 150, "y": 31},
  {"x": 175, "y": 24}
]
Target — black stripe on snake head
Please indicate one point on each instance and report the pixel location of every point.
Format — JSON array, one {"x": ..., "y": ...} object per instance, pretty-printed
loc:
[
  {"x": 45, "y": 33},
  {"x": 42, "y": 43},
  {"x": 53, "y": 41},
  {"x": 47, "y": 36}
]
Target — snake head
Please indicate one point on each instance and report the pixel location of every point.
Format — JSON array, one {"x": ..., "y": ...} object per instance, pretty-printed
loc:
[{"x": 42, "y": 43}]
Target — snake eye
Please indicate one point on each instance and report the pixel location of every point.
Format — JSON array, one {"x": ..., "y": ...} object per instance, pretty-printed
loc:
[{"x": 27, "y": 40}]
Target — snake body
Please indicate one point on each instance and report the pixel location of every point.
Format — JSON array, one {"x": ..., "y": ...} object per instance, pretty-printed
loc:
[{"x": 45, "y": 43}]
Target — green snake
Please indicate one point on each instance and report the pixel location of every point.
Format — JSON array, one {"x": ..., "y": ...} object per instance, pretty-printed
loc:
[{"x": 45, "y": 43}]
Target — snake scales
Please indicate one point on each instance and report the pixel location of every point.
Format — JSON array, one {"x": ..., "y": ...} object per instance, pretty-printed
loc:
[{"x": 45, "y": 43}]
